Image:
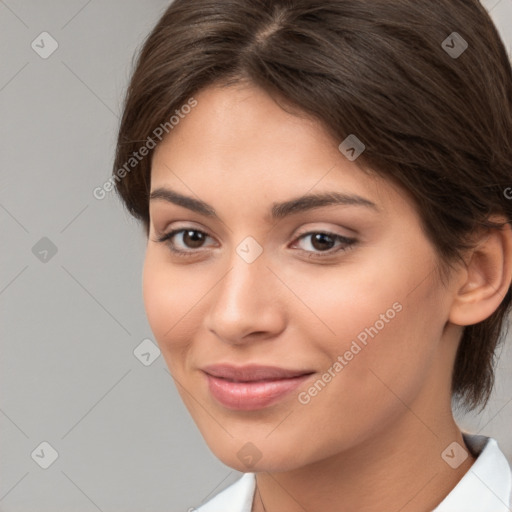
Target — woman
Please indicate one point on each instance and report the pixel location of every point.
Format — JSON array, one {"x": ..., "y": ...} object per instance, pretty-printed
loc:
[{"x": 322, "y": 185}]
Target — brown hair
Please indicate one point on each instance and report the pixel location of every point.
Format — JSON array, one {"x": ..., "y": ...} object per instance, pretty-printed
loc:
[{"x": 438, "y": 125}]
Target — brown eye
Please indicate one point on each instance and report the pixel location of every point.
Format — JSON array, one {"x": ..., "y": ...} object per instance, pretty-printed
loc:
[
  {"x": 318, "y": 242},
  {"x": 183, "y": 241},
  {"x": 322, "y": 241},
  {"x": 193, "y": 238}
]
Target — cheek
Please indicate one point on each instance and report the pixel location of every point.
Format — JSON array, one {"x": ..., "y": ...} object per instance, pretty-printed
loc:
[
  {"x": 343, "y": 304},
  {"x": 368, "y": 388},
  {"x": 397, "y": 301},
  {"x": 385, "y": 324},
  {"x": 169, "y": 300}
]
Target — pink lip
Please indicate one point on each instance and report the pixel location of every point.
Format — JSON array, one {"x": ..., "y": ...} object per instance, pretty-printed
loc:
[{"x": 251, "y": 387}]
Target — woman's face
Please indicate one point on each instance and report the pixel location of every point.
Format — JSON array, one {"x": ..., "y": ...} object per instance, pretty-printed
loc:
[{"x": 341, "y": 300}]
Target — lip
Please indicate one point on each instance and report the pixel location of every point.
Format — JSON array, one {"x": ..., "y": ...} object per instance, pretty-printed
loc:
[{"x": 252, "y": 387}]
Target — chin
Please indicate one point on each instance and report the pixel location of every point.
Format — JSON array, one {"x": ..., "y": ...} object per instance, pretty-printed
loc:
[
  {"x": 255, "y": 456},
  {"x": 275, "y": 463}
]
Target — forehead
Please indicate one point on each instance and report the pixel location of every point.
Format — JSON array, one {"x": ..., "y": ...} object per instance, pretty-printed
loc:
[{"x": 238, "y": 143}]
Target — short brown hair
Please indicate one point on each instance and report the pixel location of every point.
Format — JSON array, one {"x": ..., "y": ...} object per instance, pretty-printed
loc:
[{"x": 438, "y": 125}]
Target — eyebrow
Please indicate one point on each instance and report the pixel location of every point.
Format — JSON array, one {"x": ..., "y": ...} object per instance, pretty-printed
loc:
[{"x": 278, "y": 211}]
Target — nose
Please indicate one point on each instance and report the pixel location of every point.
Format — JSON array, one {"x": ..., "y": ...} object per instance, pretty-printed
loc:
[{"x": 246, "y": 303}]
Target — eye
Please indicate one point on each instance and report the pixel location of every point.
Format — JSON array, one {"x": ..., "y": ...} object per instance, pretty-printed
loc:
[
  {"x": 183, "y": 241},
  {"x": 186, "y": 241},
  {"x": 318, "y": 242}
]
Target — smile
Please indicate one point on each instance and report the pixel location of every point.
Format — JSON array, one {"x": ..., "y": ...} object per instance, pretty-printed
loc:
[{"x": 251, "y": 387}]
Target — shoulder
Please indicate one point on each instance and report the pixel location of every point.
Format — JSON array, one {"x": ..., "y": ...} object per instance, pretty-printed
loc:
[{"x": 237, "y": 497}]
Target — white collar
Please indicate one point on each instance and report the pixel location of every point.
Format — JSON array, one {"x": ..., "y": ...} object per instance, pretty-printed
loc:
[
  {"x": 486, "y": 487},
  {"x": 237, "y": 497}
]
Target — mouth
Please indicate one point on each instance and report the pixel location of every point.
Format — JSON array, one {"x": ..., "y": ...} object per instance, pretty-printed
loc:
[{"x": 252, "y": 387}]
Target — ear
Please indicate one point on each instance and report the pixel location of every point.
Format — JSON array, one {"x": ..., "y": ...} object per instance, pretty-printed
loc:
[{"x": 486, "y": 277}]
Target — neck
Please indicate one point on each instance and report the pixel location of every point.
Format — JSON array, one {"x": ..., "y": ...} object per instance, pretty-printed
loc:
[{"x": 401, "y": 469}]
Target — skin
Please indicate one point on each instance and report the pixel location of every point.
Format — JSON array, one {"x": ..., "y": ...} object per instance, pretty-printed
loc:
[{"x": 372, "y": 438}]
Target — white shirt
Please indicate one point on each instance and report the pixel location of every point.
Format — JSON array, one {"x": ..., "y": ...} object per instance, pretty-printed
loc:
[{"x": 486, "y": 487}]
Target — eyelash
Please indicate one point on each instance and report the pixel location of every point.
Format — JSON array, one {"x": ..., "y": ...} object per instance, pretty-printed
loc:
[{"x": 349, "y": 243}]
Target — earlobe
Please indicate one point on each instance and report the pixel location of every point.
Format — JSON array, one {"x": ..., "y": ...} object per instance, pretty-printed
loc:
[{"x": 487, "y": 278}]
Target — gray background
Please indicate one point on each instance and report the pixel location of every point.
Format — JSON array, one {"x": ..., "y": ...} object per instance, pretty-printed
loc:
[{"x": 70, "y": 321}]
